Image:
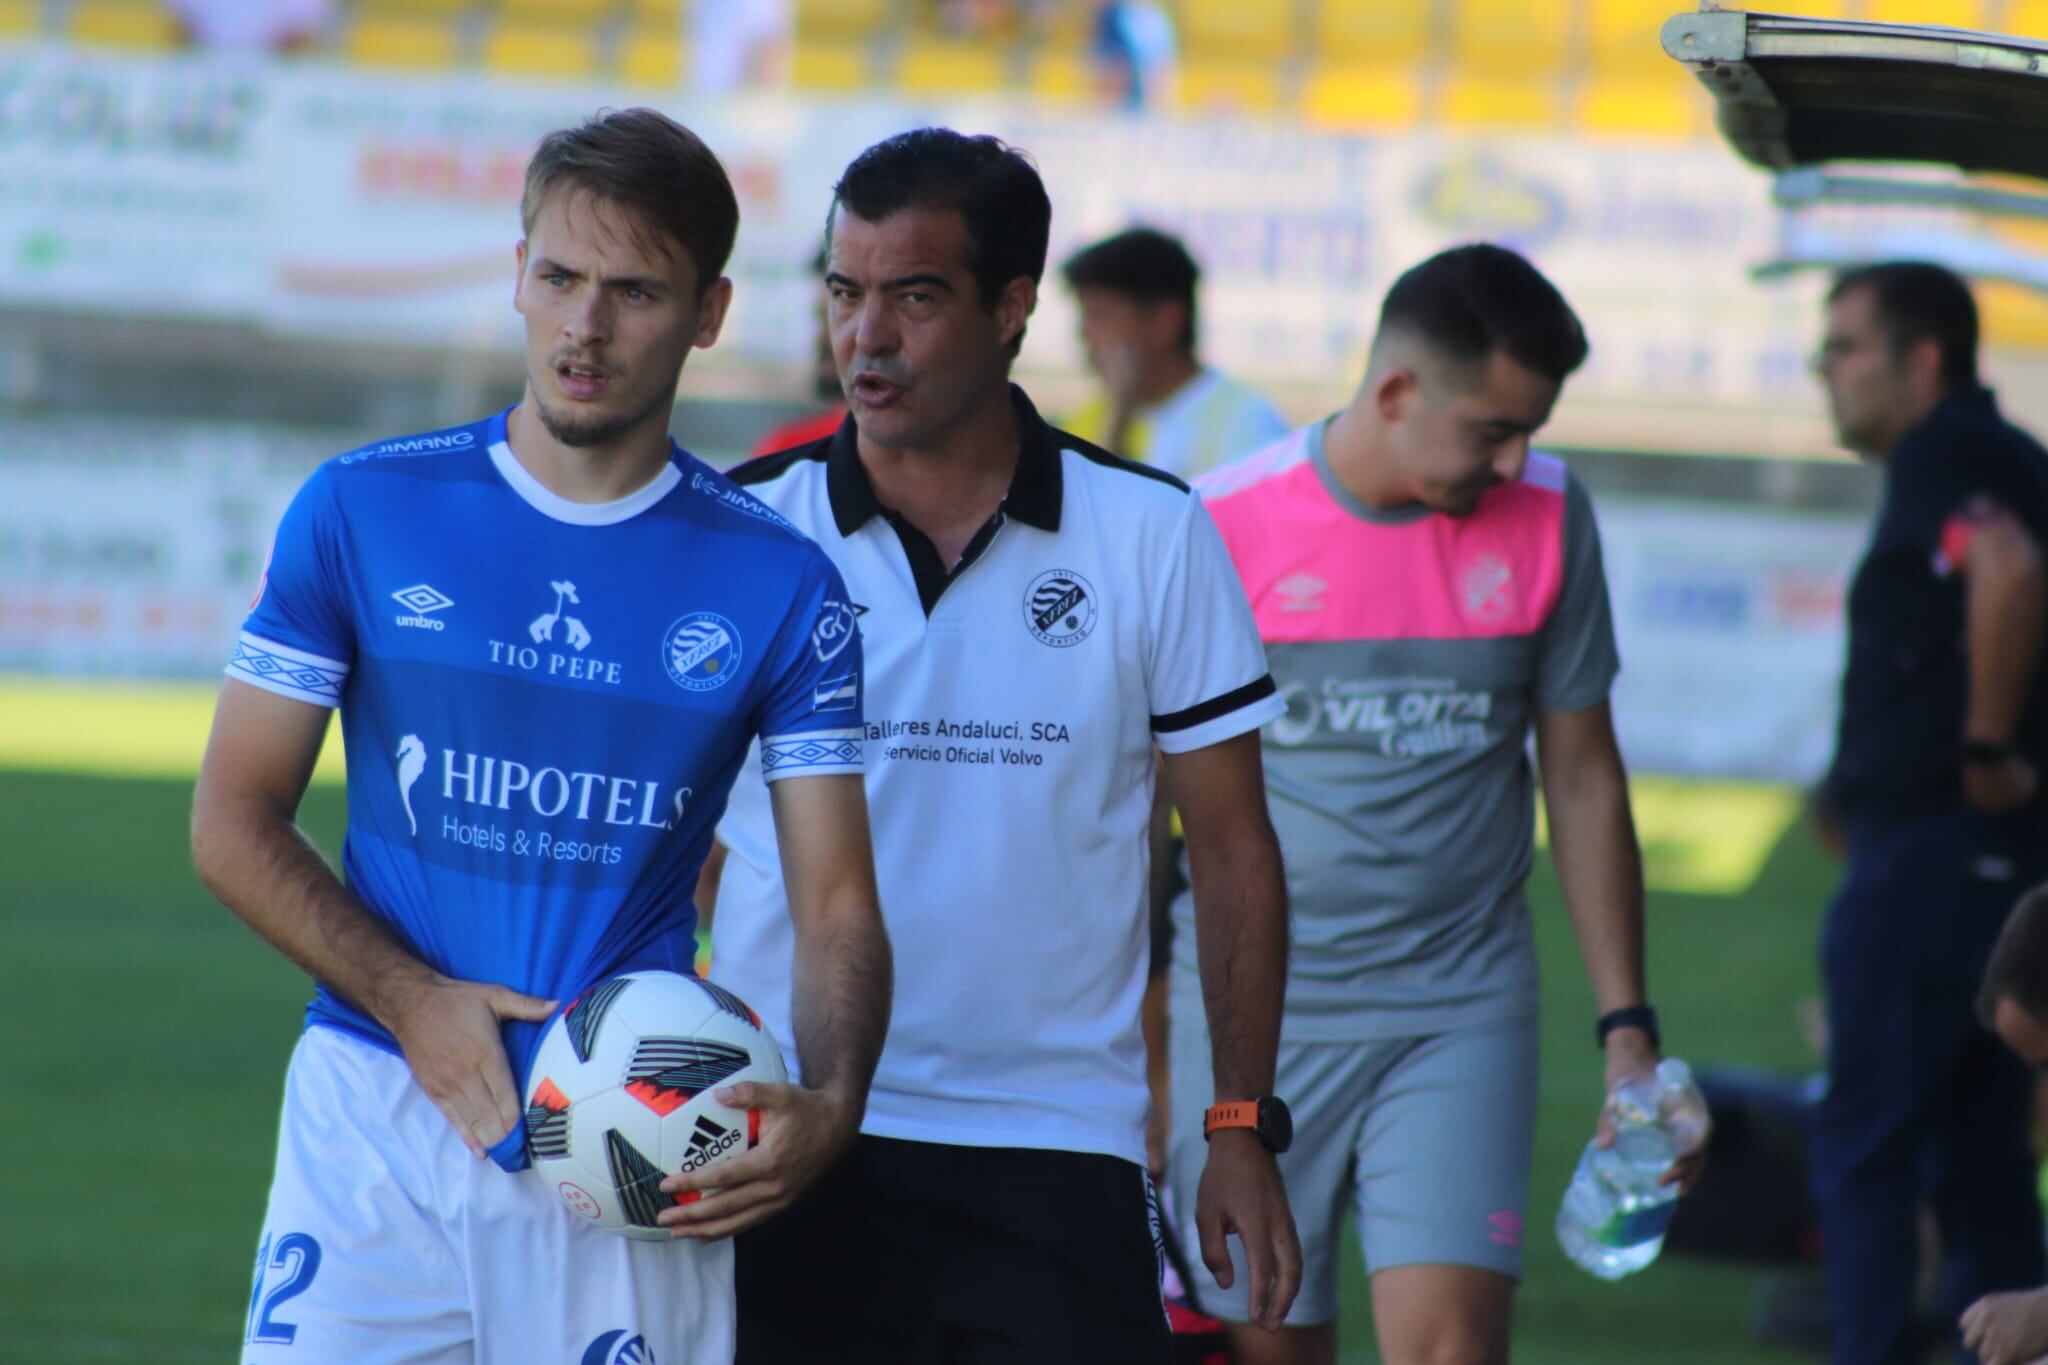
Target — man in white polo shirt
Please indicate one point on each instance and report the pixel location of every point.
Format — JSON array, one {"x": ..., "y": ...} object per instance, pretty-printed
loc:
[{"x": 1035, "y": 615}]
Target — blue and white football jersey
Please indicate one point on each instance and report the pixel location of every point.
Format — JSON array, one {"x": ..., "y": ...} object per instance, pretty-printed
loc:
[{"x": 544, "y": 703}]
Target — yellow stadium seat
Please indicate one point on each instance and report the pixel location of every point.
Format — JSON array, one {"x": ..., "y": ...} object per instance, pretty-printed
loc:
[
  {"x": 19, "y": 18},
  {"x": 521, "y": 48},
  {"x": 2025, "y": 18},
  {"x": 115, "y": 23},
  {"x": 413, "y": 8},
  {"x": 657, "y": 13},
  {"x": 949, "y": 66},
  {"x": 1630, "y": 106},
  {"x": 1375, "y": 32},
  {"x": 1810, "y": 9},
  {"x": 1236, "y": 87},
  {"x": 1060, "y": 73},
  {"x": 1519, "y": 36},
  {"x": 651, "y": 56},
  {"x": 558, "y": 11},
  {"x": 395, "y": 40},
  {"x": 1342, "y": 96},
  {"x": 841, "y": 18},
  {"x": 1237, "y": 30},
  {"x": 1483, "y": 101},
  {"x": 829, "y": 66},
  {"x": 1624, "y": 34},
  {"x": 1951, "y": 13}
]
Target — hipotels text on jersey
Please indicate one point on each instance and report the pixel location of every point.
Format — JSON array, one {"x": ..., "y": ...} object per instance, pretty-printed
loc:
[{"x": 479, "y": 784}]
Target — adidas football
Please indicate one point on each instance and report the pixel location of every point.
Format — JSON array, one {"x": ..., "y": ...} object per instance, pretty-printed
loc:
[{"x": 621, "y": 1094}]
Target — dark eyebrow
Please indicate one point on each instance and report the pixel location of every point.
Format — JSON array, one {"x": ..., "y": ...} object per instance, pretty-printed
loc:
[
  {"x": 544, "y": 266},
  {"x": 922, "y": 277}
]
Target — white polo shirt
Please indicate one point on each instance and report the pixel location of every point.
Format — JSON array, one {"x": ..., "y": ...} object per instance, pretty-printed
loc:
[{"x": 1012, "y": 707}]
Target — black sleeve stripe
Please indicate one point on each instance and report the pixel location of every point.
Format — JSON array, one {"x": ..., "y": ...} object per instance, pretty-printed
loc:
[
  {"x": 1202, "y": 712},
  {"x": 762, "y": 468},
  {"x": 1095, "y": 454}
]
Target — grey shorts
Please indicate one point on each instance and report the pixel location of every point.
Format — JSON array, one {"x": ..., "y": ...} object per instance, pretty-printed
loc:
[{"x": 1428, "y": 1139}]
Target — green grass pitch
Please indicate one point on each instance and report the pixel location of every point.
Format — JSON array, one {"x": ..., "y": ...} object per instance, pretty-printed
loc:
[{"x": 149, "y": 1033}]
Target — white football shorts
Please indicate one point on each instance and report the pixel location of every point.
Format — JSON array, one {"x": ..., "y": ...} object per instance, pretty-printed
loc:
[{"x": 387, "y": 1243}]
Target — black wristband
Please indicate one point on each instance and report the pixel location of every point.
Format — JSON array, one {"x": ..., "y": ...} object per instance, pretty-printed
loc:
[
  {"x": 1984, "y": 753},
  {"x": 1628, "y": 1016}
]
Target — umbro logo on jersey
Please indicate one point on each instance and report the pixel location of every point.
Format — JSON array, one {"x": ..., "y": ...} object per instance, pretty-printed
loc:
[
  {"x": 1059, "y": 608},
  {"x": 420, "y": 601},
  {"x": 1301, "y": 592},
  {"x": 1488, "y": 588},
  {"x": 709, "y": 1142},
  {"x": 836, "y": 694}
]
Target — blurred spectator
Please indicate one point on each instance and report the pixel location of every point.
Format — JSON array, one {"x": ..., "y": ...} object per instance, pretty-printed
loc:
[
  {"x": 737, "y": 44},
  {"x": 824, "y": 387},
  {"x": 1136, "y": 294},
  {"x": 2012, "y": 1328},
  {"x": 253, "y": 25},
  {"x": 1135, "y": 54},
  {"x": 1935, "y": 788}
]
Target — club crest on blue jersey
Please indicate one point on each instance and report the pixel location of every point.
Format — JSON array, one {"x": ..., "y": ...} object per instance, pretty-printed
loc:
[
  {"x": 701, "y": 651},
  {"x": 618, "y": 1347}
]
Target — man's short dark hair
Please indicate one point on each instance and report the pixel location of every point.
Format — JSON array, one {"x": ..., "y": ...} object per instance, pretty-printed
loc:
[
  {"x": 992, "y": 185},
  {"x": 1140, "y": 263},
  {"x": 2018, "y": 970},
  {"x": 1471, "y": 301},
  {"x": 1919, "y": 301},
  {"x": 674, "y": 188}
]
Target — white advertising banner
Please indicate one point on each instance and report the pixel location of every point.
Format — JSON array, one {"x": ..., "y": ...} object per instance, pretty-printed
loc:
[
  {"x": 130, "y": 185},
  {"x": 1730, "y": 622},
  {"x": 328, "y": 200},
  {"x": 131, "y": 547}
]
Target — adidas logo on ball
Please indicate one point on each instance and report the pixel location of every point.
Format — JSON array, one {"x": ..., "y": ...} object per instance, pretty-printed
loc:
[{"x": 708, "y": 1143}]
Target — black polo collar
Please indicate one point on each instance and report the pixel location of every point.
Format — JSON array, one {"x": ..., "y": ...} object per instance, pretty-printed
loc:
[{"x": 1034, "y": 496}]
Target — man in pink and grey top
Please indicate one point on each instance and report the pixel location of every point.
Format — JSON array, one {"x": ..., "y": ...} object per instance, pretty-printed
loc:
[{"x": 1429, "y": 592}]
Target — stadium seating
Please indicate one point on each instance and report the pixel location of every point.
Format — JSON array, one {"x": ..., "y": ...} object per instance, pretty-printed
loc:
[
  {"x": 830, "y": 66},
  {"x": 379, "y": 39},
  {"x": 652, "y": 55},
  {"x": 1060, "y": 72},
  {"x": 559, "y": 11},
  {"x": 1236, "y": 31},
  {"x": 1220, "y": 86},
  {"x": 539, "y": 48},
  {"x": 1382, "y": 33},
  {"x": 1954, "y": 13},
  {"x": 124, "y": 23},
  {"x": 1633, "y": 106},
  {"x": 1490, "y": 102},
  {"x": 1595, "y": 66},
  {"x": 1510, "y": 37},
  {"x": 1370, "y": 98},
  {"x": 843, "y": 18},
  {"x": 932, "y": 65}
]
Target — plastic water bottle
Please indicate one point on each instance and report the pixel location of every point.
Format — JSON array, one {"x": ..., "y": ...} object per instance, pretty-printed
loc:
[{"x": 1614, "y": 1213}]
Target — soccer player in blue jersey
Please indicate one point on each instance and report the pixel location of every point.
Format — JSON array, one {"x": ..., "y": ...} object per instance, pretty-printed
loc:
[{"x": 552, "y": 636}]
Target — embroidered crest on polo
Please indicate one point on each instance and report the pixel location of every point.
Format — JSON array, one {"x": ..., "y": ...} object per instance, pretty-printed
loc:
[
  {"x": 1059, "y": 608},
  {"x": 701, "y": 650}
]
